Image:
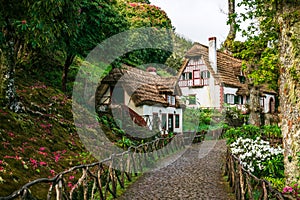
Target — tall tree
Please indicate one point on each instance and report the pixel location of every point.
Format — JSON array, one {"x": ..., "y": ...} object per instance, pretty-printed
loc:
[
  {"x": 144, "y": 15},
  {"x": 29, "y": 24},
  {"x": 259, "y": 52},
  {"x": 227, "y": 45},
  {"x": 96, "y": 21},
  {"x": 279, "y": 22},
  {"x": 289, "y": 42}
]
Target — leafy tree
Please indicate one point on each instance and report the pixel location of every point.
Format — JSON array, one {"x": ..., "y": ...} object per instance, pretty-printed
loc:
[
  {"x": 27, "y": 25},
  {"x": 97, "y": 20},
  {"x": 144, "y": 15},
  {"x": 181, "y": 46},
  {"x": 259, "y": 51},
  {"x": 279, "y": 23}
]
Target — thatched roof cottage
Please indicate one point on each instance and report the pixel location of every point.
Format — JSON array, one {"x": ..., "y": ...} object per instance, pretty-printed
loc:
[{"x": 151, "y": 100}]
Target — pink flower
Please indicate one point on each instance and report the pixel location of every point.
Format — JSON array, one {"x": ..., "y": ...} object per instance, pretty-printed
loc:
[
  {"x": 132, "y": 4},
  {"x": 71, "y": 177},
  {"x": 56, "y": 157},
  {"x": 42, "y": 149},
  {"x": 42, "y": 163},
  {"x": 9, "y": 156},
  {"x": 33, "y": 162},
  {"x": 11, "y": 134},
  {"x": 287, "y": 189},
  {"x": 52, "y": 172},
  {"x": 70, "y": 185},
  {"x": 43, "y": 153},
  {"x": 1, "y": 169},
  {"x": 1, "y": 162}
]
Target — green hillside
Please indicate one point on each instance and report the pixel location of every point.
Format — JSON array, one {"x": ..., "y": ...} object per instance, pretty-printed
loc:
[{"x": 40, "y": 142}]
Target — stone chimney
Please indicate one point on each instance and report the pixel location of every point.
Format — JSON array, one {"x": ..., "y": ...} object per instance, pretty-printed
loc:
[
  {"x": 152, "y": 70},
  {"x": 212, "y": 52}
]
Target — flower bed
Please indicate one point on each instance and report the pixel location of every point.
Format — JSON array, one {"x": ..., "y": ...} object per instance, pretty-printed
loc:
[{"x": 259, "y": 157}]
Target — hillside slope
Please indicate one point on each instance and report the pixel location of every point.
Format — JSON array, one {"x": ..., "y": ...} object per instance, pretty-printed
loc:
[{"x": 40, "y": 142}]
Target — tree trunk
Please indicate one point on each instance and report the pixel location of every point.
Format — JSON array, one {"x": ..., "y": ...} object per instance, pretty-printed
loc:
[
  {"x": 68, "y": 62},
  {"x": 289, "y": 40},
  {"x": 9, "y": 55},
  {"x": 232, "y": 31},
  {"x": 255, "y": 110},
  {"x": 11, "y": 97}
]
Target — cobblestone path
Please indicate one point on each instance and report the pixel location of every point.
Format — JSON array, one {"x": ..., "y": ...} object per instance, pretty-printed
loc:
[{"x": 197, "y": 174}]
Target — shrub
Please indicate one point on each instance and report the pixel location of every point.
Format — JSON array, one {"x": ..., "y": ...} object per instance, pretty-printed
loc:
[
  {"x": 234, "y": 117},
  {"x": 259, "y": 157},
  {"x": 246, "y": 131}
]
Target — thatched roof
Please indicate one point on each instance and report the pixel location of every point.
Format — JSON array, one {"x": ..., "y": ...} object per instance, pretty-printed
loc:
[{"x": 143, "y": 87}]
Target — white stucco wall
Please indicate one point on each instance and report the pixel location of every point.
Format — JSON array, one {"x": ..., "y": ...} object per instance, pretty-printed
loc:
[
  {"x": 230, "y": 90},
  {"x": 149, "y": 110},
  {"x": 206, "y": 96}
]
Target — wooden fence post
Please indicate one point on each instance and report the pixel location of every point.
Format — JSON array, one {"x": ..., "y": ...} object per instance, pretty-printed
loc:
[
  {"x": 249, "y": 187},
  {"x": 58, "y": 188},
  {"x": 241, "y": 182}
]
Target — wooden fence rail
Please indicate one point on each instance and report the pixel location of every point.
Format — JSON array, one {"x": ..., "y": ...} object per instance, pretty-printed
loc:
[
  {"x": 101, "y": 179},
  {"x": 245, "y": 185}
]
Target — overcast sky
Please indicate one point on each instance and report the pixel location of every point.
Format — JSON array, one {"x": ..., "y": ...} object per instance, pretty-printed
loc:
[{"x": 197, "y": 19}]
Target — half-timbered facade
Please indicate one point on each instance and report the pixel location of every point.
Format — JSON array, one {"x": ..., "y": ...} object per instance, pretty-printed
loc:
[{"x": 211, "y": 79}]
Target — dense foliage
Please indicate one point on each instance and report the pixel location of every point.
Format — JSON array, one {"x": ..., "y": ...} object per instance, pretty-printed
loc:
[
  {"x": 145, "y": 15},
  {"x": 202, "y": 120}
]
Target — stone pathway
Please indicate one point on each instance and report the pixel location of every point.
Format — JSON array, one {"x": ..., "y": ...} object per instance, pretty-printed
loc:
[{"x": 197, "y": 174}]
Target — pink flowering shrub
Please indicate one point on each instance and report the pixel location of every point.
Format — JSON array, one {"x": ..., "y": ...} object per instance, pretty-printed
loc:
[{"x": 293, "y": 191}]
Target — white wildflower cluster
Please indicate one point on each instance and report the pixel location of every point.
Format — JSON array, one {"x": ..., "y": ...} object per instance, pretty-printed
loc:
[{"x": 253, "y": 153}]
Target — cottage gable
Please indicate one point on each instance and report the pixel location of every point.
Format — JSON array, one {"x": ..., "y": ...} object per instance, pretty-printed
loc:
[{"x": 228, "y": 67}]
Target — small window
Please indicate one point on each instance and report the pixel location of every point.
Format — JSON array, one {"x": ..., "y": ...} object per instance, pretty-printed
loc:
[
  {"x": 164, "y": 121},
  {"x": 171, "y": 100},
  {"x": 229, "y": 98},
  {"x": 240, "y": 100},
  {"x": 242, "y": 79},
  {"x": 177, "y": 121},
  {"x": 187, "y": 76},
  {"x": 205, "y": 74},
  {"x": 192, "y": 100}
]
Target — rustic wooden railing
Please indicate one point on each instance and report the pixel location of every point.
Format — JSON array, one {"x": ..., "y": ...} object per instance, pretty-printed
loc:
[
  {"x": 245, "y": 185},
  {"x": 101, "y": 179}
]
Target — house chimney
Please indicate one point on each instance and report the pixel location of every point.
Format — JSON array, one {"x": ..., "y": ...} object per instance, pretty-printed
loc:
[
  {"x": 212, "y": 52},
  {"x": 152, "y": 70}
]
